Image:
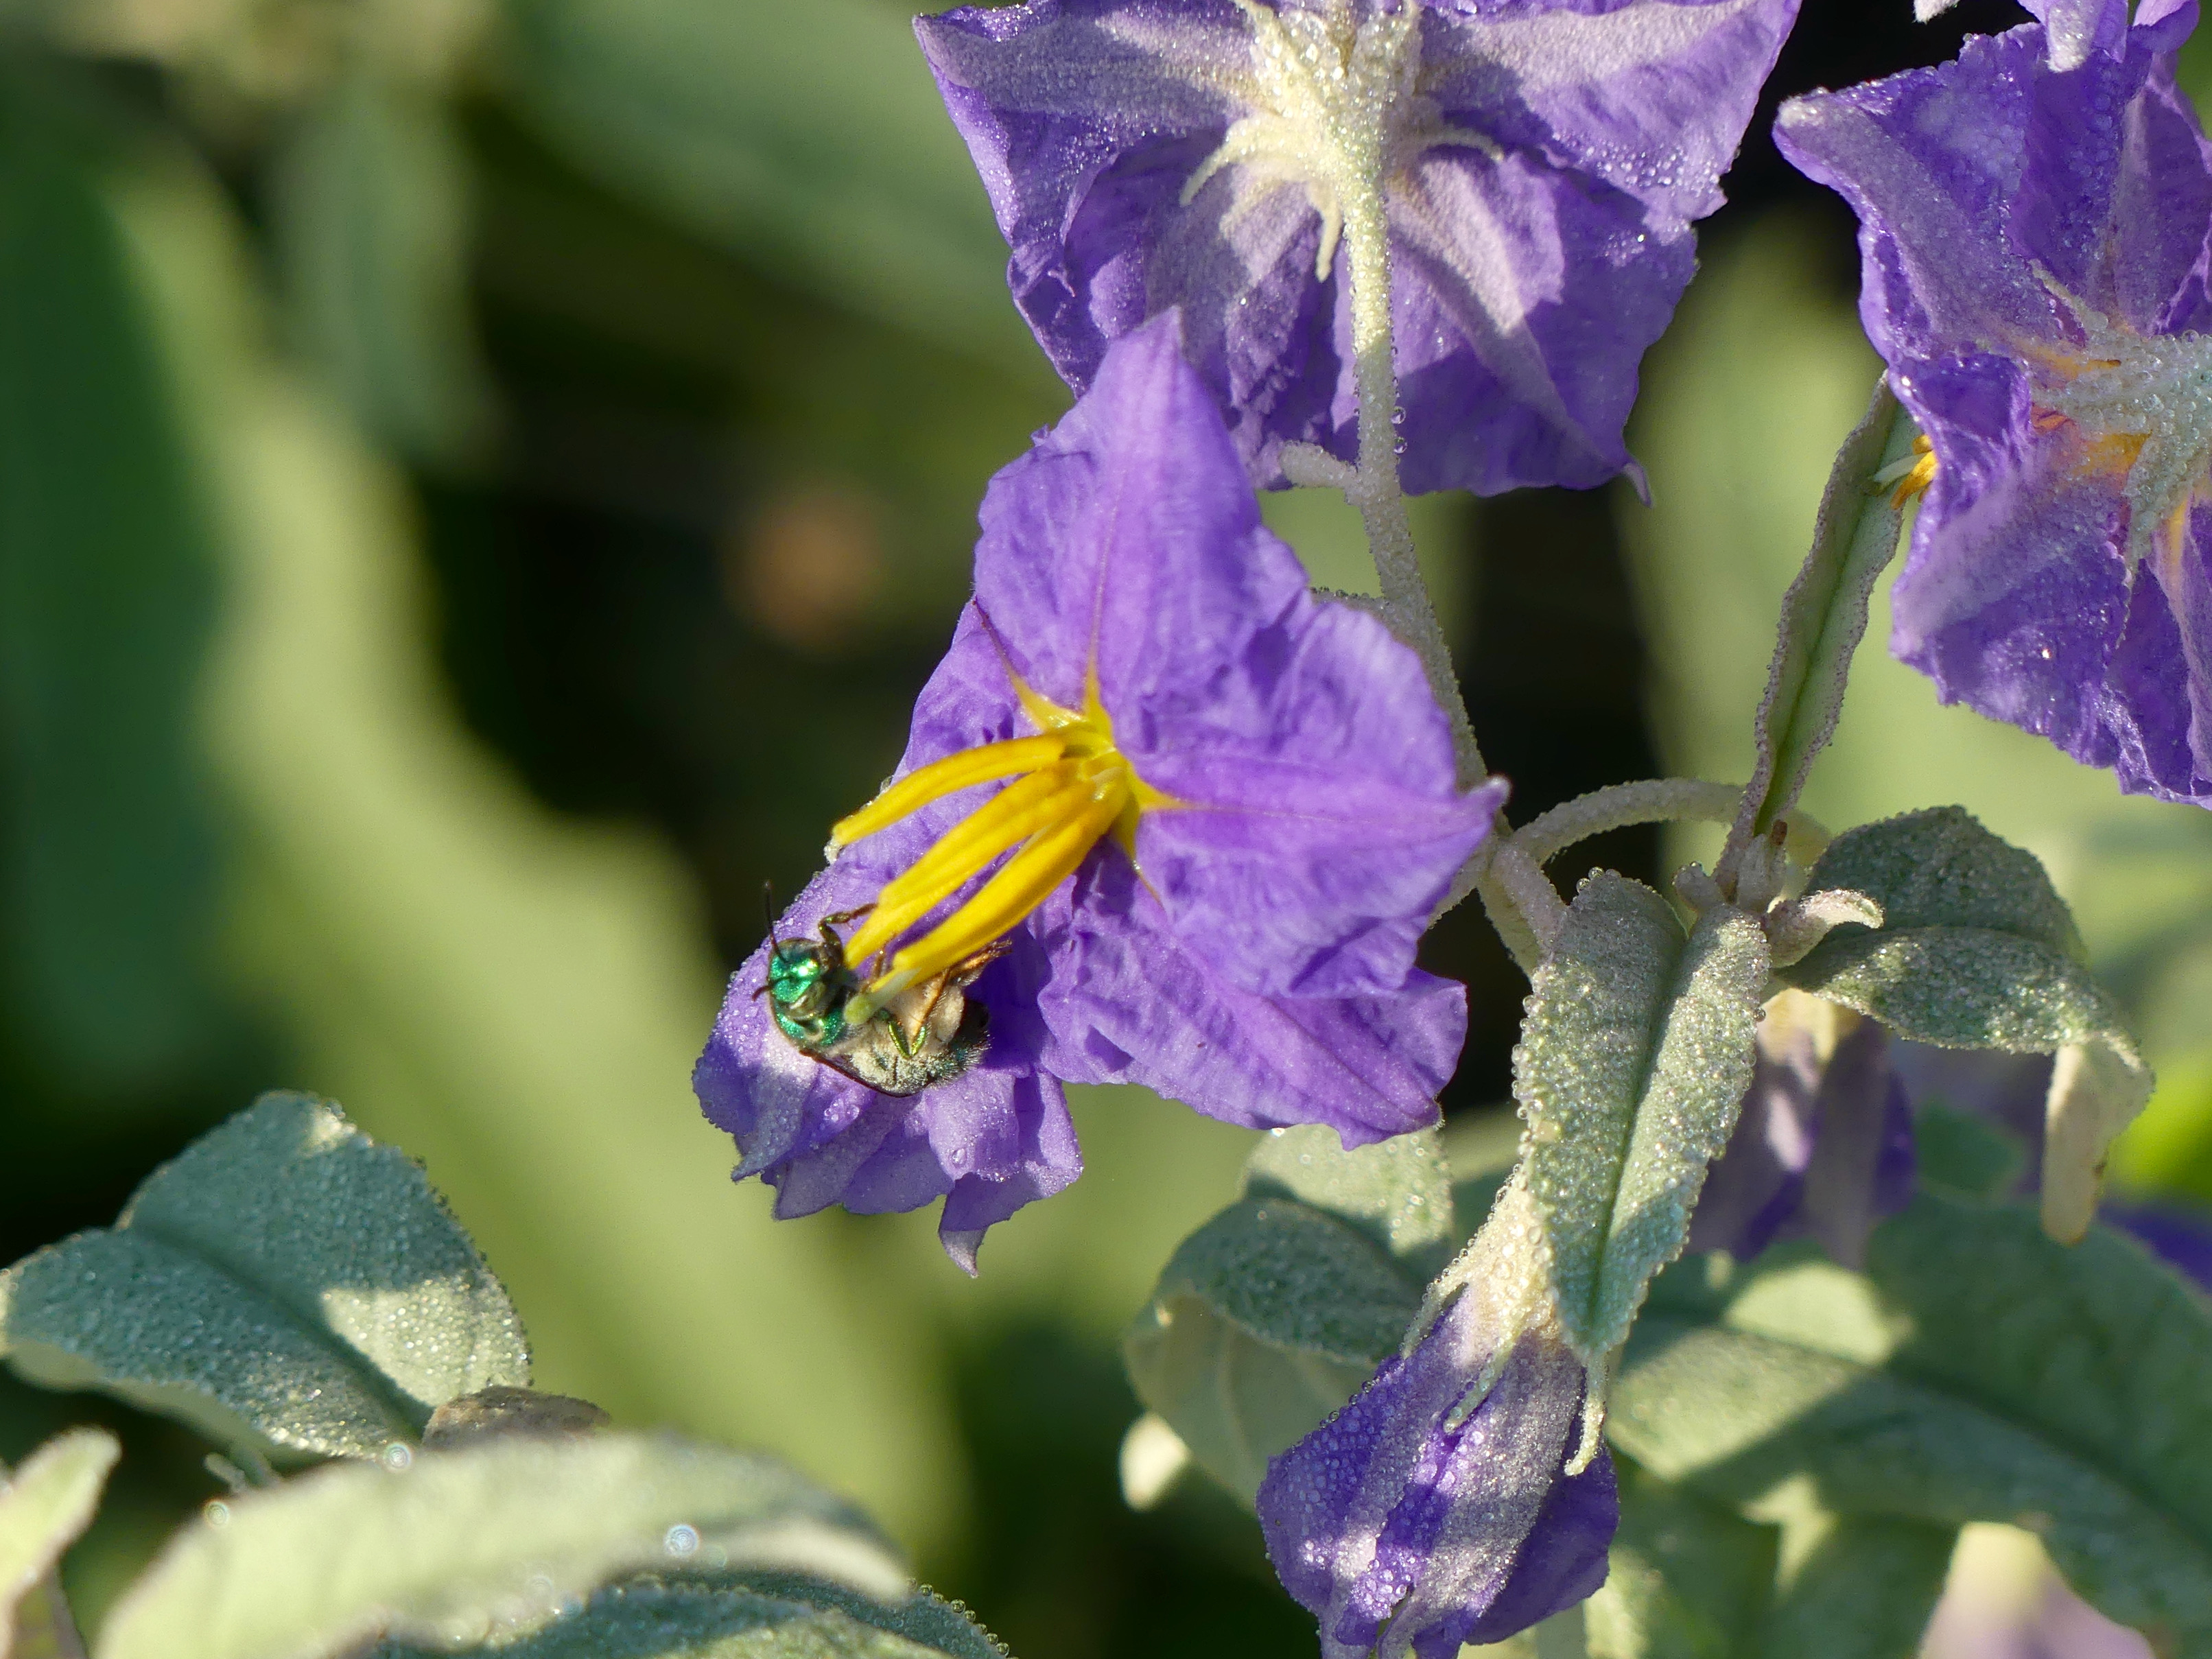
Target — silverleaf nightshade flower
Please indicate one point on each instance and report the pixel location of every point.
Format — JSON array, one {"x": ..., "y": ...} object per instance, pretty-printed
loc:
[
  {"x": 1453, "y": 1498},
  {"x": 1526, "y": 171},
  {"x": 1201, "y": 815},
  {"x": 2033, "y": 216}
]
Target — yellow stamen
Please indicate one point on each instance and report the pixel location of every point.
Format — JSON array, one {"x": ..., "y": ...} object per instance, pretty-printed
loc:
[
  {"x": 1074, "y": 788},
  {"x": 1019, "y": 810},
  {"x": 1911, "y": 478},
  {"x": 1025, "y": 882},
  {"x": 941, "y": 778}
]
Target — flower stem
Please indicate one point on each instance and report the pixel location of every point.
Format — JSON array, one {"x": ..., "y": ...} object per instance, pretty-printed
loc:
[{"x": 1373, "y": 487}]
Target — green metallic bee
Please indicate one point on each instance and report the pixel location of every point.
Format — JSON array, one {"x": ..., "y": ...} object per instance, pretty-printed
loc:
[{"x": 928, "y": 1033}]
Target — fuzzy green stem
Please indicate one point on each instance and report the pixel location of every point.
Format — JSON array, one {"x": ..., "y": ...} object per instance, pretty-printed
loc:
[{"x": 1374, "y": 488}]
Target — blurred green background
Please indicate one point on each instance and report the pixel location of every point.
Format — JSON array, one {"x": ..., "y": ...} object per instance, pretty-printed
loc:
[{"x": 481, "y": 482}]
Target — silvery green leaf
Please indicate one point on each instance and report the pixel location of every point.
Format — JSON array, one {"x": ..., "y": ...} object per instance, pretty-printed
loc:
[
  {"x": 727, "y": 1616},
  {"x": 1980, "y": 1371},
  {"x": 372, "y": 218},
  {"x": 1976, "y": 951},
  {"x": 44, "y": 1505},
  {"x": 489, "y": 1540},
  {"x": 1265, "y": 1321},
  {"x": 284, "y": 1284},
  {"x": 1398, "y": 1192},
  {"x": 1823, "y": 614},
  {"x": 1634, "y": 1058}
]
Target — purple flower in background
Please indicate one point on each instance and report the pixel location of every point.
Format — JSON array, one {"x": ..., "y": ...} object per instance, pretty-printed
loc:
[
  {"x": 1445, "y": 1503},
  {"x": 1538, "y": 164},
  {"x": 1824, "y": 1146},
  {"x": 2035, "y": 218},
  {"x": 1233, "y": 811}
]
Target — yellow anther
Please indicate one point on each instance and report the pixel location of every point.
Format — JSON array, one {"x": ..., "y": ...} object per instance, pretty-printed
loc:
[
  {"x": 1073, "y": 787},
  {"x": 1023, "y": 808},
  {"x": 941, "y": 778},
  {"x": 1911, "y": 478},
  {"x": 1025, "y": 882}
]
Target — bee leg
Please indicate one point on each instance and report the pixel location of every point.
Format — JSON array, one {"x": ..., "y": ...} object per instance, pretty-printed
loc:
[
  {"x": 828, "y": 925},
  {"x": 966, "y": 971}
]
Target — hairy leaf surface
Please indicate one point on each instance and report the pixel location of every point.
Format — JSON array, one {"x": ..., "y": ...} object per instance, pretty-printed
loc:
[
  {"x": 1979, "y": 1373},
  {"x": 1634, "y": 1058},
  {"x": 488, "y": 1540},
  {"x": 286, "y": 1283}
]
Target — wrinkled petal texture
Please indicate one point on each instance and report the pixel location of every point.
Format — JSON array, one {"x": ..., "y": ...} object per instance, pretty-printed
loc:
[
  {"x": 1261, "y": 971},
  {"x": 1528, "y": 284},
  {"x": 2051, "y": 157},
  {"x": 1822, "y": 1149},
  {"x": 1320, "y": 822},
  {"x": 985, "y": 1142},
  {"x": 1404, "y": 1525}
]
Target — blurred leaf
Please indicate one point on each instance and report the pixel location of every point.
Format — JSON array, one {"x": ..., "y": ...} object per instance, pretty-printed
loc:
[
  {"x": 1823, "y": 614},
  {"x": 1398, "y": 1192},
  {"x": 1965, "y": 1152},
  {"x": 516, "y": 999},
  {"x": 285, "y": 1283},
  {"x": 810, "y": 139},
  {"x": 1856, "y": 1587},
  {"x": 1267, "y": 1319},
  {"x": 1691, "y": 1579},
  {"x": 372, "y": 223},
  {"x": 1687, "y": 1578},
  {"x": 1976, "y": 951},
  {"x": 44, "y": 1506},
  {"x": 1634, "y": 1059},
  {"x": 724, "y": 1616},
  {"x": 107, "y": 593},
  {"x": 491, "y": 1538},
  {"x": 1980, "y": 1372}
]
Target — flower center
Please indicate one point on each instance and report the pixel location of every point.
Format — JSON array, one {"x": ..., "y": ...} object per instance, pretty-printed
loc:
[
  {"x": 1336, "y": 111},
  {"x": 2145, "y": 403},
  {"x": 1071, "y": 789}
]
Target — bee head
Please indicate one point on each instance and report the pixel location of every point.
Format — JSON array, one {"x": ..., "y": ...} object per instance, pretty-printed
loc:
[{"x": 800, "y": 975}]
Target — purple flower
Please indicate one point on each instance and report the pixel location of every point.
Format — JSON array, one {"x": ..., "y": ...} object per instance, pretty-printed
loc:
[
  {"x": 1447, "y": 1502},
  {"x": 2034, "y": 217},
  {"x": 1824, "y": 1146},
  {"x": 1233, "y": 810},
  {"x": 1531, "y": 165}
]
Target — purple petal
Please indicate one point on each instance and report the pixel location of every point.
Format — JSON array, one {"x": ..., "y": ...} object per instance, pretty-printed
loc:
[
  {"x": 1321, "y": 824},
  {"x": 1127, "y": 1002},
  {"x": 1651, "y": 98},
  {"x": 992, "y": 1138},
  {"x": 1521, "y": 325},
  {"x": 1931, "y": 160},
  {"x": 1824, "y": 1146},
  {"x": 1088, "y": 118},
  {"x": 2059, "y": 158},
  {"x": 1399, "y": 1527}
]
